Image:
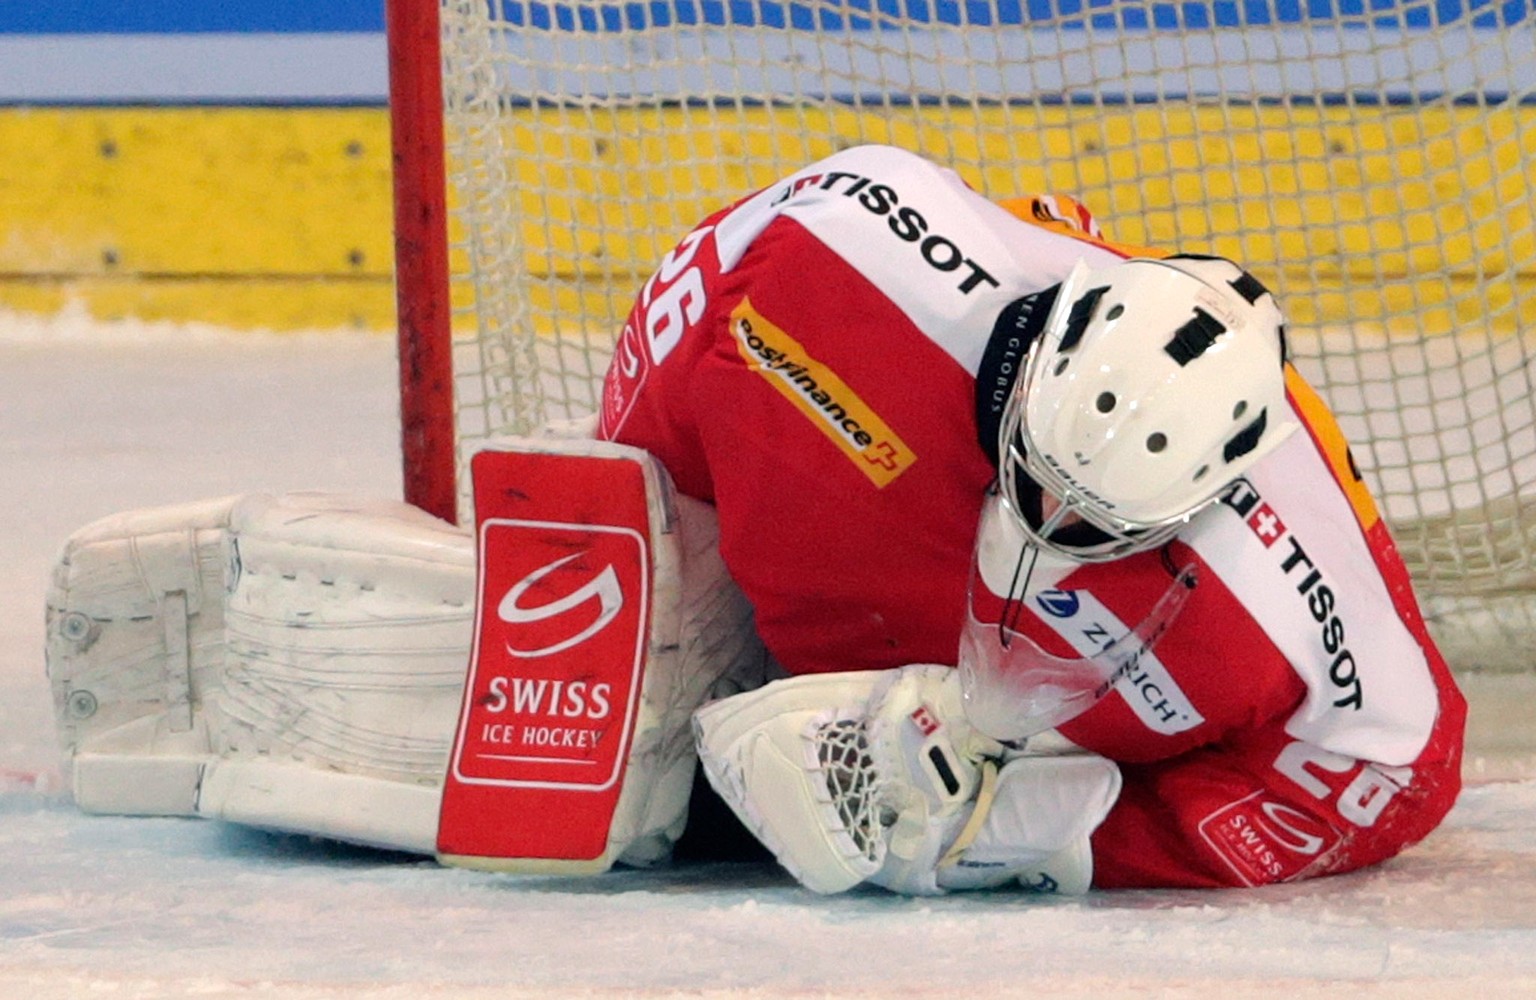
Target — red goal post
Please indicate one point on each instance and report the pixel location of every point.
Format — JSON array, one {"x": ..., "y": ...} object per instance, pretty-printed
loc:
[
  {"x": 1373, "y": 162},
  {"x": 427, "y": 430}
]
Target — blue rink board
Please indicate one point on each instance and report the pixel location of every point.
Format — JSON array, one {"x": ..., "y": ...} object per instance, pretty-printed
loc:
[
  {"x": 334, "y": 52},
  {"x": 179, "y": 17},
  {"x": 175, "y": 17}
]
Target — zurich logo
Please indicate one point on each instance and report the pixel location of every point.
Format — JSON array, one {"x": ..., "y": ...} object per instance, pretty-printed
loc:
[{"x": 1058, "y": 603}]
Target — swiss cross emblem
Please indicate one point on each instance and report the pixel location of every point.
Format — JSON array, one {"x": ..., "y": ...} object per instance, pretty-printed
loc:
[{"x": 1266, "y": 525}]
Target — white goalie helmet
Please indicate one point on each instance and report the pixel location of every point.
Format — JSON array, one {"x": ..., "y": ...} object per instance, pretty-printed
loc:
[{"x": 1153, "y": 386}]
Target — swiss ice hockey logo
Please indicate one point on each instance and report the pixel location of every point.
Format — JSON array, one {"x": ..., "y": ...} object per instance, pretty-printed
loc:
[
  {"x": 627, "y": 374},
  {"x": 552, "y": 693},
  {"x": 603, "y": 589},
  {"x": 558, "y": 652},
  {"x": 1265, "y": 841}
]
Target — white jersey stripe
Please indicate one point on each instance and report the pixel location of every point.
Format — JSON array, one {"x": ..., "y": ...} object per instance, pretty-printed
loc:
[
  {"x": 911, "y": 228},
  {"x": 1314, "y": 587}
]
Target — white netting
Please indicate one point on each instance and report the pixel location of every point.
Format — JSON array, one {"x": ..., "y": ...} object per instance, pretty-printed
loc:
[
  {"x": 842, "y": 750},
  {"x": 1374, "y": 169}
]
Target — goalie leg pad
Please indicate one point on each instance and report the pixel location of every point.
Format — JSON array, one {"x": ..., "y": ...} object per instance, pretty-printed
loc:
[
  {"x": 219, "y": 658},
  {"x": 346, "y": 630},
  {"x": 605, "y": 617}
]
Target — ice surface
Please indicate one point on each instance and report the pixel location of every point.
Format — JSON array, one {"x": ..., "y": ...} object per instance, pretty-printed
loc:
[{"x": 97, "y": 419}]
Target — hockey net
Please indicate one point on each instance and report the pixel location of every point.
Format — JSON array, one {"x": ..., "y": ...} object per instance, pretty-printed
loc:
[{"x": 1375, "y": 169}]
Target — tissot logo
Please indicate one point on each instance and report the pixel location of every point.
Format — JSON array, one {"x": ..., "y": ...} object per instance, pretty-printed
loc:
[
  {"x": 884, "y": 201},
  {"x": 603, "y": 588},
  {"x": 1319, "y": 593},
  {"x": 1266, "y": 525}
]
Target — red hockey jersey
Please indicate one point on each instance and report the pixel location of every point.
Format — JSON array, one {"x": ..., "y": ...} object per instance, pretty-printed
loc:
[{"x": 825, "y": 360}]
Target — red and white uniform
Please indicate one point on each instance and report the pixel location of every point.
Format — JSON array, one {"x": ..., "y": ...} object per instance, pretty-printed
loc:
[{"x": 808, "y": 360}]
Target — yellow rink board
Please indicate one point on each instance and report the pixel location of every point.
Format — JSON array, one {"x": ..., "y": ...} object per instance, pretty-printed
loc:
[
  {"x": 242, "y": 217},
  {"x": 280, "y": 217},
  {"x": 1385, "y": 215}
]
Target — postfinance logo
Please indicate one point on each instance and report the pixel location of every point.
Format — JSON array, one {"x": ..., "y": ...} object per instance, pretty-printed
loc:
[{"x": 817, "y": 392}]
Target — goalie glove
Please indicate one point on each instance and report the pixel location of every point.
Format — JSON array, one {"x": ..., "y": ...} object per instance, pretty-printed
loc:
[
  {"x": 879, "y": 777},
  {"x": 932, "y": 768},
  {"x": 790, "y": 759}
]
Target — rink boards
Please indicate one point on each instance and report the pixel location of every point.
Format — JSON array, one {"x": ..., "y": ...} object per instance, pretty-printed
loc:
[{"x": 279, "y": 217}]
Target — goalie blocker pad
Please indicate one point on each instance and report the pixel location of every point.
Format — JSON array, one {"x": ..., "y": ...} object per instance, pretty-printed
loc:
[{"x": 577, "y": 675}]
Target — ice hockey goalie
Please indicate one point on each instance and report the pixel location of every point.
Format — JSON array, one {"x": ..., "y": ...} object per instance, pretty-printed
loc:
[{"x": 961, "y": 546}]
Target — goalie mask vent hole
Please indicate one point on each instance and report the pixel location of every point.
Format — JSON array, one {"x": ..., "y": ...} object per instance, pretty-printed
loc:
[
  {"x": 1105, "y": 403},
  {"x": 1240, "y": 409},
  {"x": 1157, "y": 442},
  {"x": 1115, "y": 312},
  {"x": 1061, "y": 366},
  {"x": 1200, "y": 472}
]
